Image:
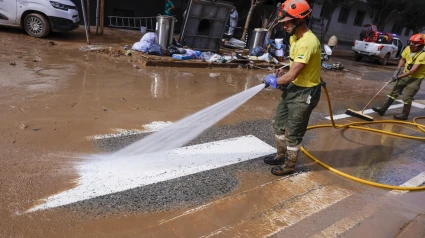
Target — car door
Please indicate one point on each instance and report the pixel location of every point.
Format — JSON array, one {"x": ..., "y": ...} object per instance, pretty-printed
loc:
[
  {"x": 394, "y": 49},
  {"x": 8, "y": 12},
  {"x": 400, "y": 48}
]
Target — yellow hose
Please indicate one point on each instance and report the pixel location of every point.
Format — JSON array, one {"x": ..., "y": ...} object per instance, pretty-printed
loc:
[{"x": 360, "y": 126}]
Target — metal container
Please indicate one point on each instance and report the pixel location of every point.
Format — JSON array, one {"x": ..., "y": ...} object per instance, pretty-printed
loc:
[
  {"x": 259, "y": 37},
  {"x": 164, "y": 30},
  {"x": 204, "y": 25}
]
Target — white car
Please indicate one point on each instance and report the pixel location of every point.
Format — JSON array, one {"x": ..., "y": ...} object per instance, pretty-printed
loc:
[
  {"x": 39, "y": 17},
  {"x": 384, "y": 53}
]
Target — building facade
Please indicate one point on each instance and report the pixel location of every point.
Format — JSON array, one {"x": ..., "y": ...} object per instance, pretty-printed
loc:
[{"x": 347, "y": 22}]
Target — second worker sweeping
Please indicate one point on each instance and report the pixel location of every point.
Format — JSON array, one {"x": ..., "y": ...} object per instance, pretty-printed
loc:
[{"x": 413, "y": 60}]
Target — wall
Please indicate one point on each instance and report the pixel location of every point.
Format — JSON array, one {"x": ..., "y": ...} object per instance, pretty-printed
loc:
[{"x": 141, "y": 8}]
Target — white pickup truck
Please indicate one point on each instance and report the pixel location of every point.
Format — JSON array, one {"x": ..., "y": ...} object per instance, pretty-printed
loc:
[{"x": 382, "y": 52}]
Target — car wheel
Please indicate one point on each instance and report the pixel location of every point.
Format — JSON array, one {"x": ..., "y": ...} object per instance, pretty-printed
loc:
[
  {"x": 36, "y": 25},
  {"x": 358, "y": 57},
  {"x": 385, "y": 60}
]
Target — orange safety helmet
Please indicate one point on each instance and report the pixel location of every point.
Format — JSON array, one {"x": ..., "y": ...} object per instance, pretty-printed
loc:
[
  {"x": 416, "y": 40},
  {"x": 292, "y": 9}
]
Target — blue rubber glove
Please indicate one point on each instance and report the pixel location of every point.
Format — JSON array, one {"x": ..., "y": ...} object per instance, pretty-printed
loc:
[{"x": 271, "y": 80}]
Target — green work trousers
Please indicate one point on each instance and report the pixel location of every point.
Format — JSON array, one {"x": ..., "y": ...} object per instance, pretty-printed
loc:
[
  {"x": 293, "y": 112},
  {"x": 409, "y": 86}
]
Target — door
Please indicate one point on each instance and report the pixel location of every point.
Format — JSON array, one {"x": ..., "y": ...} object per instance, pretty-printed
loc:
[
  {"x": 394, "y": 49},
  {"x": 8, "y": 12},
  {"x": 400, "y": 48}
]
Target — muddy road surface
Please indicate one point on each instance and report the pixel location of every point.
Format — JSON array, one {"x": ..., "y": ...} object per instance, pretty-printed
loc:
[{"x": 63, "y": 110}]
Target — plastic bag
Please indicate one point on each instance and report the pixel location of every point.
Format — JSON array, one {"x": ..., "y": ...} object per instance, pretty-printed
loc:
[
  {"x": 148, "y": 38},
  {"x": 215, "y": 58},
  {"x": 257, "y": 51},
  {"x": 141, "y": 46},
  {"x": 279, "y": 53},
  {"x": 155, "y": 49},
  {"x": 205, "y": 56},
  {"x": 265, "y": 57},
  {"x": 193, "y": 53},
  {"x": 172, "y": 50}
]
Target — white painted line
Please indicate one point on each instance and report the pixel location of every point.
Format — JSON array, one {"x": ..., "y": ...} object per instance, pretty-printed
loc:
[
  {"x": 369, "y": 111},
  {"x": 151, "y": 127},
  {"x": 415, "y": 104},
  {"x": 347, "y": 223},
  {"x": 106, "y": 175}
]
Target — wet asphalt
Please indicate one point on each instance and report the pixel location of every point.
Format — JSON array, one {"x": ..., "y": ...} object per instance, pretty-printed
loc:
[
  {"x": 187, "y": 191},
  {"x": 200, "y": 188}
]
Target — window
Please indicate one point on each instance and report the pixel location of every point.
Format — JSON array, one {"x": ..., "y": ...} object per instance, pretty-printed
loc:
[
  {"x": 325, "y": 11},
  {"x": 397, "y": 29},
  {"x": 358, "y": 21},
  {"x": 407, "y": 32},
  {"x": 395, "y": 42},
  {"x": 343, "y": 14}
]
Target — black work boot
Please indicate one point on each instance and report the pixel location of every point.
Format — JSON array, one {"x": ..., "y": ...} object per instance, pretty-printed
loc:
[
  {"x": 280, "y": 155},
  {"x": 289, "y": 165},
  {"x": 404, "y": 113},
  {"x": 382, "y": 109}
]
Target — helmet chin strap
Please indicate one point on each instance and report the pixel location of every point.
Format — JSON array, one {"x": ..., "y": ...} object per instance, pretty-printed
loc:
[
  {"x": 297, "y": 24},
  {"x": 419, "y": 48}
]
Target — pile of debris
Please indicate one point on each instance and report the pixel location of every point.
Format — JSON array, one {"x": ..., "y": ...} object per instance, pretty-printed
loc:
[{"x": 148, "y": 45}]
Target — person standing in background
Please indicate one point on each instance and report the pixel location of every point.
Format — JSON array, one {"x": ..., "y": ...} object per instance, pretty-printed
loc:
[
  {"x": 233, "y": 21},
  {"x": 168, "y": 7}
]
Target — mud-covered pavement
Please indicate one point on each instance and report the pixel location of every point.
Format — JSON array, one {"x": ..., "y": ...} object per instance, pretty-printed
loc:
[{"x": 55, "y": 100}]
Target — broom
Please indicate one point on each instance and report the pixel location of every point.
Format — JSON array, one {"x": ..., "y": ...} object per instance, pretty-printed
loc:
[{"x": 359, "y": 114}]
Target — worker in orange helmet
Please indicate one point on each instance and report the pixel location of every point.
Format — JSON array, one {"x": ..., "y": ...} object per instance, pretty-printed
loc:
[
  {"x": 301, "y": 87},
  {"x": 413, "y": 61}
]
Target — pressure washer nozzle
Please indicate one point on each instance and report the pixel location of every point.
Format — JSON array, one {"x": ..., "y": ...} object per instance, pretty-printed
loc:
[{"x": 266, "y": 85}]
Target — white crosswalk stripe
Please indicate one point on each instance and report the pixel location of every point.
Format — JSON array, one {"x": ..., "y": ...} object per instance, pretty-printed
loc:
[{"x": 106, "y": 175}]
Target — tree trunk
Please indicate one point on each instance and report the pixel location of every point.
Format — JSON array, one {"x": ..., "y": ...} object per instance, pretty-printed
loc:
[
  {"x": 248, "y": 20},
  {"x": 102, "y": 15},
  {"x": 328, "y": 23}
]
